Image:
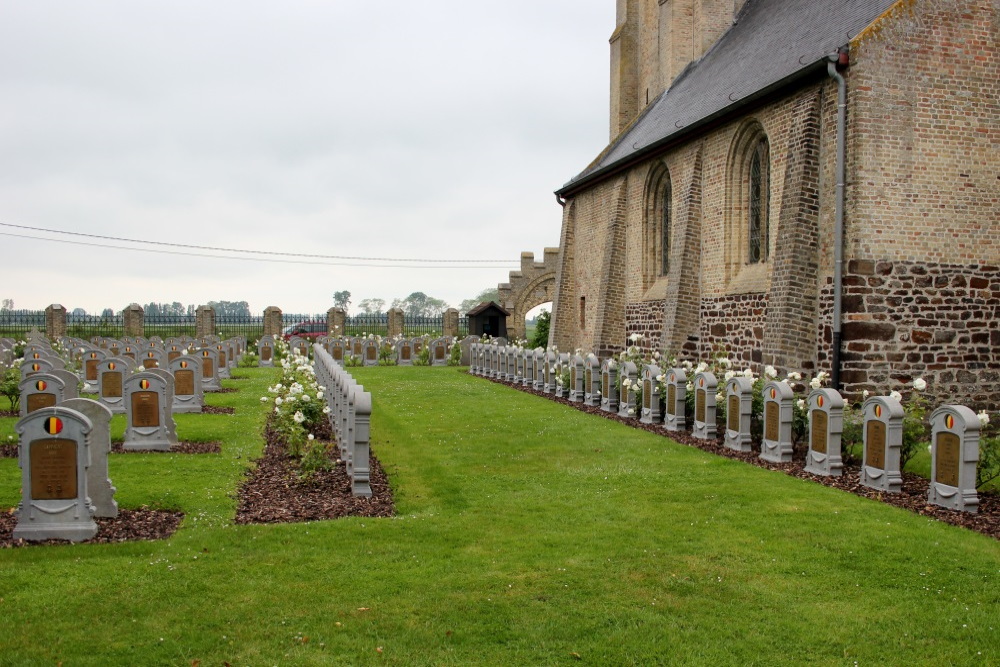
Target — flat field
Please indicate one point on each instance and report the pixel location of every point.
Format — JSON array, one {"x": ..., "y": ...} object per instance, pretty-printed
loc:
[{"x": 526, "y": 533}]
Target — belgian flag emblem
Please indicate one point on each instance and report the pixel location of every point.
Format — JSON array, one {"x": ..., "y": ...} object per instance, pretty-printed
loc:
[
  {"x": 150, "y": 355},
  {"x": 53, "y": 425},
  {"x": 36, "y": 355},
  {"x": 774, "y": 393},
  {"x": 878, "y": 410},
  {"x": 144, "y": 384},
  {"x": 949, "y": 421},
  {"x": 819, "y": 400},
  {"x": 41, "y": 385},
  {"x": 184, "y": 364},
  {"x": 111, "y": 366}
]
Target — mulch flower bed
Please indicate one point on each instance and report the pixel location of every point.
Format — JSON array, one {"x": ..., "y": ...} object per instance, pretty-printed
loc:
[
  {"x": 128, "y": 526},
  {"x": 273, "y": 492},
  {"x": 224, "y": 390},
  {"x": 9, "y": 413},
  {"x": 913, "y": 495},
  {"x": 213, "y": 447},
  {"x": 216, "y": 410}
]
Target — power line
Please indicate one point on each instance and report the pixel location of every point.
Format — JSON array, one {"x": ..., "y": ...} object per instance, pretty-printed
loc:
[
  {"x": 248, "y": 259},
  {"x": 506, "y": 262}
]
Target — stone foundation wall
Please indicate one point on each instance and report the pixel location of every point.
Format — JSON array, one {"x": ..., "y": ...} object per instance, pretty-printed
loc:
[
  {"x": 646, "y": 318},
  {"x": 734, "y": 324}
]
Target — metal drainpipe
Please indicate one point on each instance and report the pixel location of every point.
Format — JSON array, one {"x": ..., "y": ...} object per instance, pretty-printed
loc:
[{"x": 838, "y": 228}]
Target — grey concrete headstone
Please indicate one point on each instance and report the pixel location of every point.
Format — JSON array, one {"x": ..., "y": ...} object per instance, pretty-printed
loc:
[
  {"x": 651, "y": 399},
  {"x": 209, "y": 369},
  {"x": 576, "y": 378},
  {"x": 954, "y": 458},
  {"x": 265, "y": 352},
  {"x": 71, "y": 381},
  {"x": 826, "y": 425},
  {"x": 610, "y": 388},
  {"x": 705, "y": 387},
  {"x": 99, "y": 486},
  {"x": 41, "y": 390},
  {"x": 883, "y": 440},
  {"x": 779, "y": 412},
  {"x": 54, "y": 454},
  {"x": 739, "y": 411},
  {"x": 148, "y": 419},
  {"x": 189, "y": 395},
  {"x": 111, "y": 375},
  {"x": 592, "y": 381},
  {"x": 30, "y": 367},
  {"x": 675, "y": 402},
  {"x": 628, "y": 376},
  {"x": 91, "y": 359}
]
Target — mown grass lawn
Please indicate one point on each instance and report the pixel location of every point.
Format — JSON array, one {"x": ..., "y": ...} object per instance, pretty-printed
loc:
[{"x": 527, "y": 533}]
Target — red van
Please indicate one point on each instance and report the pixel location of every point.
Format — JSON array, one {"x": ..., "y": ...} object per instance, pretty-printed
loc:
[{"x": 308, "y": 330}]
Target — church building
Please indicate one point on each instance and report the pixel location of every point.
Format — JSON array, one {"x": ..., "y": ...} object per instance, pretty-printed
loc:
[{"x": 810, "y": 185}]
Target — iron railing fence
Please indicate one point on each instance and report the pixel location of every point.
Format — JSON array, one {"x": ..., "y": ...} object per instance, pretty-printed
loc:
[
  {"x": 88, "y": 326},
  {"x": 169, "y": 326},
  {"x": 19, "y": 323},
  {"x": 249, "y": 326}
]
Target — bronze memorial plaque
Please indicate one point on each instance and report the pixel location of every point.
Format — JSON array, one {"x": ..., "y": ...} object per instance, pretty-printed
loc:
[
  {"x": 439, "y": 352},
  {"x": 338, "y": 354},
  {"x": 671, "y": 399},
  {"x": 111, "y": 384},
  {"x": 771, "y": 430},
  {"x": 173, "y": 354},
  {"x": 604, "y": 385},
  {"x": 222, "y": 359},
  {"x": 265, "y": 354},
  {"x": 404, "y": 352},
  {"x": 39, "y": 401},
  {"x": 148, "y": 363},
  {"x": 207, "y": 367},
  {"x": 184, "y": 383},
  {"x": 948, "y": 459},
  {"x": 699, "y": 406},
  {"x": 371, "y": 353},
  {"x": 733, "y": 413},
  {"x": 647, "y": 394},
  {"x": 357, "y": 348},
  {"x": 53, "y": 469},
  {"x": 875, "y": 444},
  {"x": 572, "y": 377},
  {"x": 817, "y": 441},
  {"x": 145, "y": 409},
  {"x": 91, "y": 368}
]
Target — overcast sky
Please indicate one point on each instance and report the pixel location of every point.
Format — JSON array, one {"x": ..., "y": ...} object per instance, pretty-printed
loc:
[{"x": 415, "y": 130}]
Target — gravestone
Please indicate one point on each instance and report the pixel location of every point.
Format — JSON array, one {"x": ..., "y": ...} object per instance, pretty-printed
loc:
[
  {"x": 30, "y": 367},
  {"x": 592, "y": 381},
  {"x": 209, "y": 369},
  {"x": 41, "y": 390},
  {"x": 129, "y": 352},
  {"x": 189, "y": 394},
  {"x": 148, "y": 418},
  {"x": 511, "y": 352},
  {"x": 91, "y": 358},
  {"x": 357, "y": 346},
  {"x": 439, "y": 352},
  {"x": 222, "y": 354},
  {"x": 628, "y": 376},
  {"x": 883, "y": 440},
  {"x": 518, "y": 365},
  {"x": 954, "y": 458},
  {"x": 705, "y": 386},
  {"x": 404, "y": 353},
  {"x": 99, "y": 487},
  {"x": 265, "y": 352},
  {"x": 779, "y": 412},
  {"x": 549, "y": 372},
  {"x": 826, "y": 425},
  {"x": 54, "y": 454},
  {"x": 152, "y": 358},
  {"x": 675, "y": 402},
  {"x": 609, "y": 386},
  {"x": 473, "y": 358},
  {"x": 539, "y": 366},
  {"x": 111, "y": 374},
  {"x": 370, "y": 357},
  {"x": 528, "y": 375},
  {"x": 652, "y": 413},
  {"x": 576, "y": 379},
  {"x": 71, "y": 381},
  {"x": 336, "y": 348},
  {"x": 739, "y": 411}
]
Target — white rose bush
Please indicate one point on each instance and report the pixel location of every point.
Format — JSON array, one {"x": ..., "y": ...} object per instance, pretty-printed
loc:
[{"x": 299, "y": 414}]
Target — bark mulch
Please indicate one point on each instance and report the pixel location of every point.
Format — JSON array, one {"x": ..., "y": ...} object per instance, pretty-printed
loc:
[
  {"x": 217, "y": 410},
  {"x": 128, "y": 526},
  {"x": 224, "y": 390},
  {"x": 213, "y": 447},
  {"x": 273, "y": 492},
  {"x": 913, "y": 495},
  {"x": 9, "y": 413}
]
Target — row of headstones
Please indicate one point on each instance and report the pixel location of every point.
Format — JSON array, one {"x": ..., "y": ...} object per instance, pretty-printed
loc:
[
  {"x": 350, "y": 418},
  {"x": 405, "y": 350},
  {"x": 609, "y": 385}
]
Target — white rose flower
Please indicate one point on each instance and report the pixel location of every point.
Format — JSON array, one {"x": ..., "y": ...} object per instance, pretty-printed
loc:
[
  {"x": 920, "y": 384},
  {"x": 311, "y": 437},
  {"x": 896, "y": 395},
  {"x": 326, "y": 409},
  {"x": 815, "y": 383},
  {"x": 305, "y": 398},
  {"x": 263, "y": 399},
  {"x": 984, "y": 418},
  {"x": 770, "y": 371},
  {"x": 278, "y": 401},
  {"x": 730, "y": 375},
  {"x": 702, "y": 367},
  {"x": 299, "y": 417},
  {"x": 795, "y": 375},
  {"x": 719, "y": 398},
  {"x": 748, "y": 373},
  {"x": 801, "y": 404}
]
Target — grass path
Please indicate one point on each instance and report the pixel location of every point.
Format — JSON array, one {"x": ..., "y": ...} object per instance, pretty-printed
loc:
[{"x": 528, "y": 533}]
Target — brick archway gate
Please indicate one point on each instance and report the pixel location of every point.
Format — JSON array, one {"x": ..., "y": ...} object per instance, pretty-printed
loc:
[{"x": 533, "y": 285}]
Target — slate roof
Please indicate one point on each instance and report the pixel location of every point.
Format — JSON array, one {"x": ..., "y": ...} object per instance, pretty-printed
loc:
[
  {"x": 771, "y": 44},
  {"x": 486, "y": 305}
]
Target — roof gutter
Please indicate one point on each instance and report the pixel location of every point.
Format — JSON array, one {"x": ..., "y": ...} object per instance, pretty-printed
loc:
[
  {"x": 833, "y": 61},
  {"x": 701, "y": 126}
]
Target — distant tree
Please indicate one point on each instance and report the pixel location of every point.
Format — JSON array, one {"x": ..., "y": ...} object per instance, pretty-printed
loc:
[
  {"x": 342, "y": 300},
  {"x": 419, "y": 304},
  {"x": 233, "y": 308},
  {"x": 7, "y": 304},
  {"x": 107, "y": 312},
  {"x": 79, "y": 312},
  {"x": 488, "y": 294},
  {"x": 372, "y": 306},
  {"x": 540, "y": 338}
]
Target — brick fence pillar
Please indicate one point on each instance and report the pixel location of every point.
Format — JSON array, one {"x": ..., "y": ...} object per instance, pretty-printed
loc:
[
  {"x": 55, "y": 321},
  {"x": 272, "y": 321},
  {"x": 204, "y": 321},
  {"x": 451, "y": 323},
  {"x": 395, "y": 322},
  {"x": 336, "y": 322},
  {"x": 134, "y": 320}
]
